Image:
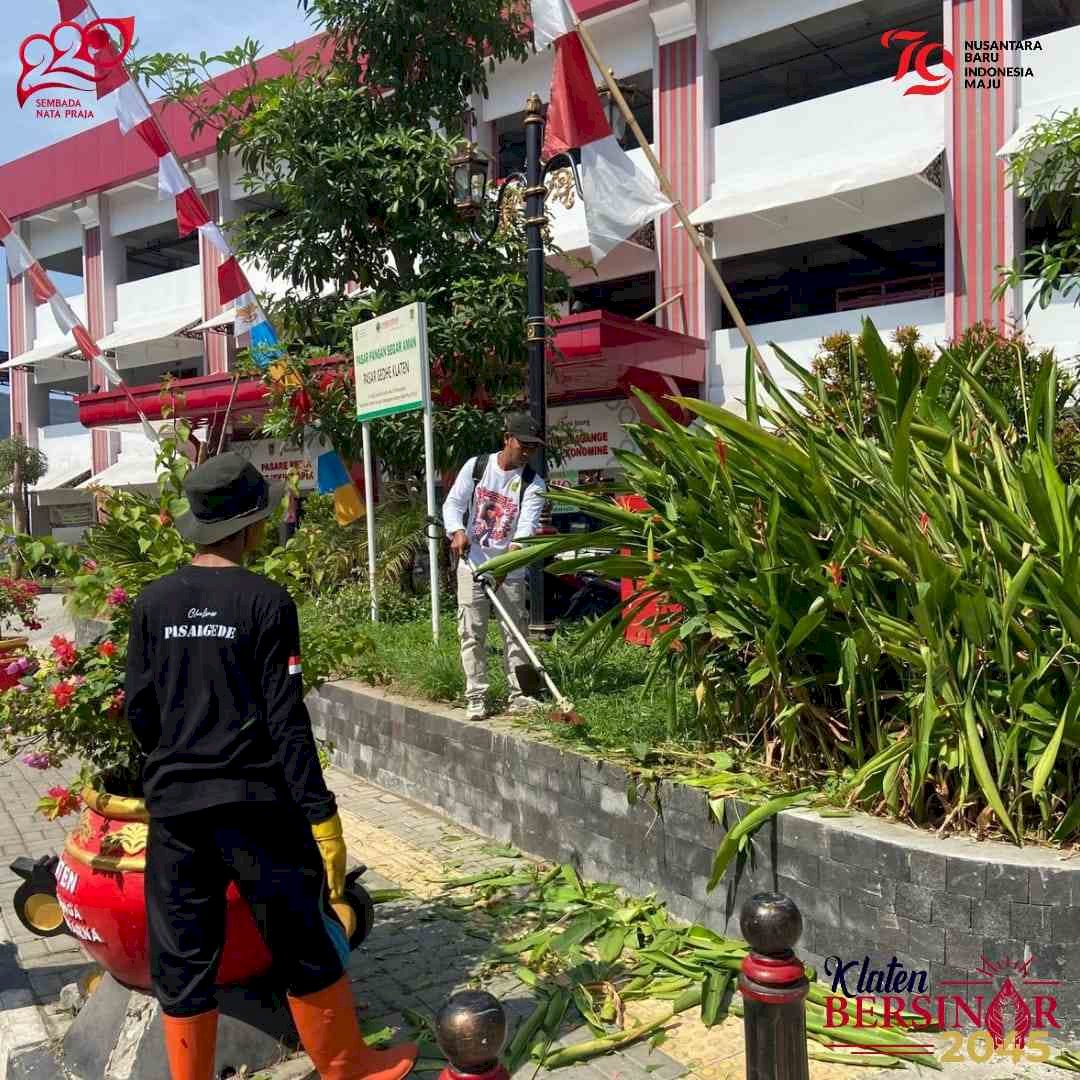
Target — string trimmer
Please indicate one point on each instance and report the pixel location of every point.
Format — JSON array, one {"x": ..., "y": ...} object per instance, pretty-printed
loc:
[{"x": 530, "y": 679}]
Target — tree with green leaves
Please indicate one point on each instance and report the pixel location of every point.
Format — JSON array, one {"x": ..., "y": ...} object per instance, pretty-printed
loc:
[
  {"x": 1045, "y": 171},
  {"x": 21, "y": 466},
  {"x": 349, "y": 152}
]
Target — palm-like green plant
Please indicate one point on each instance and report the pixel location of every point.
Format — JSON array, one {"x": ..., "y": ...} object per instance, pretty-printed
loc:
[{"x": 894, "y": 614}]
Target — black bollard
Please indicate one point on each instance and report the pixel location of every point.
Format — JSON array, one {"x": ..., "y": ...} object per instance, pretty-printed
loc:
[
  {"x": 774, "y": 986},
  {"x": 471, "y": 1029}
]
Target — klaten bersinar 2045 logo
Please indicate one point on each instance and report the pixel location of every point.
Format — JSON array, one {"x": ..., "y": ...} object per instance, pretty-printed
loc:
[{"x": 1002, "y": 1010}]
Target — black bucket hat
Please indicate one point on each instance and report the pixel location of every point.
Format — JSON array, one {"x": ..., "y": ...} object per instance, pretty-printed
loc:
[{"x": 226, "y": 494}]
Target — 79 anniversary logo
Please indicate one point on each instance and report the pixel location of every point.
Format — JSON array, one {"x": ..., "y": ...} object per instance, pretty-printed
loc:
[
  {"x": 76, "y": 57},
  {"x": 1002, "y": 1010}
]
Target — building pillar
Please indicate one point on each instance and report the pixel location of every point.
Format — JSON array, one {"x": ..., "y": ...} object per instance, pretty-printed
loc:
[
  {"x": 680, "y": 110},
  {"x": 22, "y": 330},
  {"x": 104, "y": 268},
  {"x": 218, "y": 348},
  {"x": 982, "y": 215}
]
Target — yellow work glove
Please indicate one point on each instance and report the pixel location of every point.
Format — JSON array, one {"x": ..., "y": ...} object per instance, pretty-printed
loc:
[{"x": 332, "y": 848}]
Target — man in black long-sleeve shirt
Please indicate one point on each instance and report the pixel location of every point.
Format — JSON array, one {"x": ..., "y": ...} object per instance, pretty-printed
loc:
[{"x": 235, "y": 791}]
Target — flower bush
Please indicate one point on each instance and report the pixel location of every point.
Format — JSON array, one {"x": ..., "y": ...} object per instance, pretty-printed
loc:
[
  {"x": 893, "y": 618},
  {"x": 18, "y": 604}
]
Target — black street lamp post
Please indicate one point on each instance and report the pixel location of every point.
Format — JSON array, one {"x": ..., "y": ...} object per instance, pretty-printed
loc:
[{"x": 536, "y": 322}]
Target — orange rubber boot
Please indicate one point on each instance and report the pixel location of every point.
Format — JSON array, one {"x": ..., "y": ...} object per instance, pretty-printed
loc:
[
  {"x": 190, "y": 1043},
  {"x": 328, "y": 1028}
]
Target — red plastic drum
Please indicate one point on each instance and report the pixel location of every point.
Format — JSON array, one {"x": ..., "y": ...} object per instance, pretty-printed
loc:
[{"x": 99, "y": 883}]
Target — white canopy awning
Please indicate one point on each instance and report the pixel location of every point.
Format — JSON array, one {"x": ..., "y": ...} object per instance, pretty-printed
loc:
[
  {"x": 144, "y": 333},
  {"x": 40, "y": 354},
  {"x": 132, "y": 470},
  {"x": 831, "y": 194},
  {"x": 58, "y": 486},
  {"x": 1029, "y": 118},
  {"x": 757, "y": 195},
  {"x": 226, "y": 318}
]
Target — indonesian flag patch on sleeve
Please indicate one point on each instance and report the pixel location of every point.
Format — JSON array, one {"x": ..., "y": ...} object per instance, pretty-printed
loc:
[{"x": 295, "y": 667}]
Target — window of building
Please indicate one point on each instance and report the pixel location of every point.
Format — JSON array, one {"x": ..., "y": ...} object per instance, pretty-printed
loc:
[
  {"x": 510, "y": 130},
  {"x": 1048, "y": 16},
  {"x": 62, "y": 407},
  {"x": 821, "y": 55},
  {"x": 158, "y": 250},
  {"x": 629, "y": 297},
  {"x": 881, "y": 266}
]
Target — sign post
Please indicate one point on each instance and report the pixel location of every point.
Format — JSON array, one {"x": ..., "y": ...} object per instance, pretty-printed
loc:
[{"x": 390, "y": 354}]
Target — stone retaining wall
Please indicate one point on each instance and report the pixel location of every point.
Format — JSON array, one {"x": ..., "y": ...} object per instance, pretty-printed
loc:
[{"x": 864, "y": 886}]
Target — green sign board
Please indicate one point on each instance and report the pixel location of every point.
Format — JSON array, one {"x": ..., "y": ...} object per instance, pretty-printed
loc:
[{"x": 391, "y": 358}]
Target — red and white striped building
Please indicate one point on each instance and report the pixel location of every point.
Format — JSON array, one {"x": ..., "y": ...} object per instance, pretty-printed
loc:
[{"x": 831, "y": 189}]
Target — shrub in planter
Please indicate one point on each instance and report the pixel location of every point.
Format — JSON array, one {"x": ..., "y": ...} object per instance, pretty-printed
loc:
[{"x": 892, "y": 616}]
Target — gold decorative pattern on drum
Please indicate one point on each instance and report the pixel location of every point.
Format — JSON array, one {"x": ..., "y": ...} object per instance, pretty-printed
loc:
[
  {"x": 131, "y": 839},
  {"x": 85, "y": 831}
]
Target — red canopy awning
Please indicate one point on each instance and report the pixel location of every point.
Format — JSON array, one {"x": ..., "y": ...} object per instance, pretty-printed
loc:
[{"x": 596, "y": 355}]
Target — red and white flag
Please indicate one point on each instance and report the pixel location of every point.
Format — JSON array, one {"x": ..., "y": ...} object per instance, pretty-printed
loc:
[
  {"x": 295, "y": 667},
  {"x": 619, "y": 197}
]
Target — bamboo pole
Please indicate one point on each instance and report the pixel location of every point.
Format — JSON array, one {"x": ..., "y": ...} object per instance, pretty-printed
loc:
[{"x": 666, "y": 188}]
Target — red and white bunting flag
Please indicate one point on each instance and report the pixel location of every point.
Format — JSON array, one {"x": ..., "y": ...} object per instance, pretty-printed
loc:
[
  {"x": 150, "y": 132},
  {"x": 40, "y": 284},
  {"x": 109, "y": 72},
  {"x": 191, "y": 213},
  {"x": 172, "y": 179},
  {"x": 247, "y": 314},
  {"x": 551, "y": 20},
  {"x": 619, "y": 197},
  {"x": 131, "y": 107},
  {"x": 76, "y": 11},
  {"x": 64, "y": 314},
  {"x": 86, "y": 343},
  {"x": 19, "y": 259},
  {"x": 213, "y": 233},
  {"x": 232, "y": 282}
]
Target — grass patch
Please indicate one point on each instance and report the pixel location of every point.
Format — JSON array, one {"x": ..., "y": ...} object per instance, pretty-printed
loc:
[{"x": 607, "y": 687}]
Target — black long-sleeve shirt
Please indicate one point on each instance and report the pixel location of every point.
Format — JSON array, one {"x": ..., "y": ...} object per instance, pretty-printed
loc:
[{"x": 215, "y": 695}]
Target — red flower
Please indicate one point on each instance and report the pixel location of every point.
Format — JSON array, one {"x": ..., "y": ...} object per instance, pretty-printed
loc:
[
  {"x": 67, "y": 802},
  {"x": 117, "y": 703},
  {"x": 117, "y": 597},
  {"x": 107, "y": 649},
  {"x": 721, "y": 452},
  {"x": 164, "y": 518},
  {"x": 836, "y": 572},
  {"x": 924, "y": 522},
  {"x": 89, "y": 566},
  {"x": 327, "y": 381},
  {"x": 300, "y": 403},
  {"x": 64, "y": 651},
  {"x": 62, "y": 694}
]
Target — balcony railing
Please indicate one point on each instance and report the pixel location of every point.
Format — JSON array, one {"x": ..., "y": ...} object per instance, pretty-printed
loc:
[{"x": 896, "y": 291}]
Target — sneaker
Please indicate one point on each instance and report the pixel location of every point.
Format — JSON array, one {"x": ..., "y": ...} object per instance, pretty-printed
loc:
[
  {"x": 523, "y": 704},
  {"x": 476, "y": 710}
]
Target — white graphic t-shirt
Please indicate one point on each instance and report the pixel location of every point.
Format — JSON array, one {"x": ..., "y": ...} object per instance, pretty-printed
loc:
[{"x": 494, "y": 521}]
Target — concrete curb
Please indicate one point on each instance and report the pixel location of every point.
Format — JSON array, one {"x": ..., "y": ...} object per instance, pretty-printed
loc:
[{"x": 866, "y": 887}]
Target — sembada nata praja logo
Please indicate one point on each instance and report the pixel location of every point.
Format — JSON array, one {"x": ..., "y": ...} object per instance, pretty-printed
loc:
[
  {"x": 73, "y": 57},
  {"x": 917, "y": 54}
]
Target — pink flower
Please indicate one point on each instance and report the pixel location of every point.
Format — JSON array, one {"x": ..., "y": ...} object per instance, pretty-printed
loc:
[
  {"x": 37, "y": 760},
  {"x": 89, "y": 566},
  {"x": 117, "y": 597}
]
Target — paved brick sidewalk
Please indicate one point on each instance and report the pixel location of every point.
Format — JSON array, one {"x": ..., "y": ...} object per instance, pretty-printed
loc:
[{"x": 415, "y": 959}]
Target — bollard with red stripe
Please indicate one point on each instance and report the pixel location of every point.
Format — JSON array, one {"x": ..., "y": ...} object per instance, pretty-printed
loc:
[
  {"x": 774, "y": 986},
  {"x": 471, "y": 1029}
]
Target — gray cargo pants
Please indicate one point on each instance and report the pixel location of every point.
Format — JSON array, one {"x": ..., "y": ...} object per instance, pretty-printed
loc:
[{"x": 474, "y": 612}]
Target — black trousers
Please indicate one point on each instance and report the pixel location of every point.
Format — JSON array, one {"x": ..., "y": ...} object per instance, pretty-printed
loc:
[{"x": 269, "y": 851}]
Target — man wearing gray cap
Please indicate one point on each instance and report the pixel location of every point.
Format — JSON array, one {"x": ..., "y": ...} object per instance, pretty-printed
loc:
[{"x": 496, "y": 501}]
